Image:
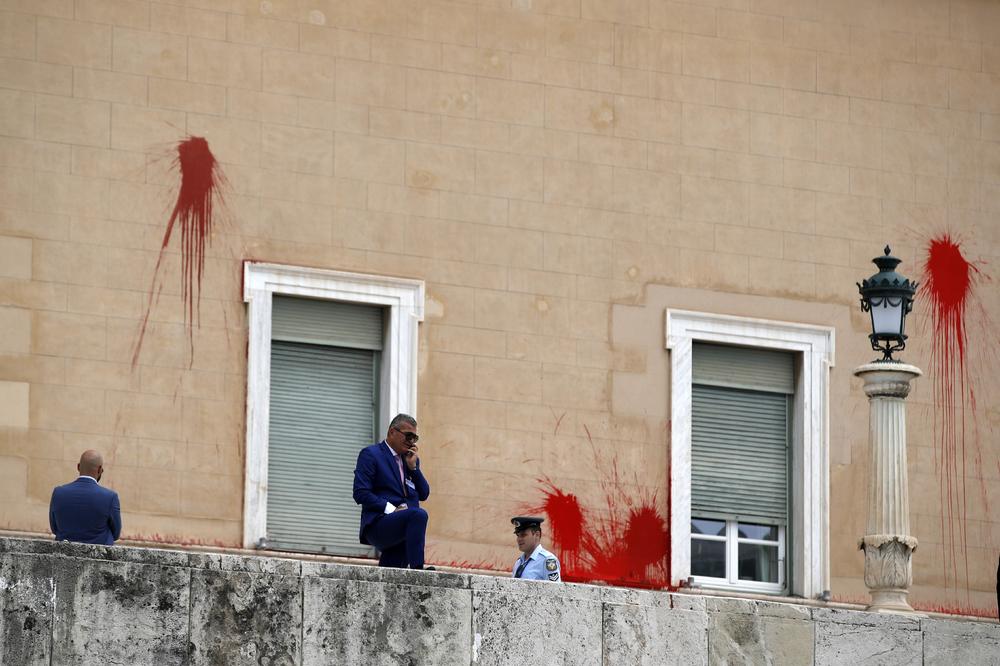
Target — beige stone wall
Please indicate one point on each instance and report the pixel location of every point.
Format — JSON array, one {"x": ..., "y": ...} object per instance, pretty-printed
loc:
[{"x": 557, "y": 171}]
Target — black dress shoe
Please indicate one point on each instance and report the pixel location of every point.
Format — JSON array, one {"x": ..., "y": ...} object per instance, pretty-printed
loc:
[{"x": 429, "y": 569}]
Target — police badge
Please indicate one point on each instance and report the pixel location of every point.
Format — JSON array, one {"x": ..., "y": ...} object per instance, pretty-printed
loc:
[{"x": 551, "y": 564}]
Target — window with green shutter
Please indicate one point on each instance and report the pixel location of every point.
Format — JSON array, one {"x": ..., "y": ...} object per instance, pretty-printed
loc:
[
  {"x": 323, "y": 410},
  {"x": 740, "y": 436}
]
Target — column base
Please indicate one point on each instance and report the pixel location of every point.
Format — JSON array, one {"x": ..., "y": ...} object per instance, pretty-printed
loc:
[
  {"x": 888, "y": 571},
  {"x": 890, "y": 601}
]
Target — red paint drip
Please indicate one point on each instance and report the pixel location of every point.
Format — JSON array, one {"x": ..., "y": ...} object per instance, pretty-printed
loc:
[
  {"x": 948, "y": 285},
  {"x": 193, "y": 212}
]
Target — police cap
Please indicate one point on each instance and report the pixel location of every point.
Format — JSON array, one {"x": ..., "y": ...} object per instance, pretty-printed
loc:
[{"x": 524, "y": 522}]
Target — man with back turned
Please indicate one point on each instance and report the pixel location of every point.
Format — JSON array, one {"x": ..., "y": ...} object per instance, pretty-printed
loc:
[
  {"x": 389, "y": 486},
  {"x": 83, "y": 511}
]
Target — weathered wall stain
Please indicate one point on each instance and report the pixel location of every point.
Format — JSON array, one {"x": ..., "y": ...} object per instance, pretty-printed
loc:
[
  {"x": 27, "y": 591},
  {"x": 246, "y": 618}
]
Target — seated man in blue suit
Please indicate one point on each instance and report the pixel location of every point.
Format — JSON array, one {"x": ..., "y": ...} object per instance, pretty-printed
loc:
[
  {"x": 84, "y": 511},
  {"x": 389, "y": 486}
]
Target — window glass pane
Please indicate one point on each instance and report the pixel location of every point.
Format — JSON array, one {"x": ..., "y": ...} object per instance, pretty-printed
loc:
[
  {"x": 762, "y": 532},
  {"x": 710, "y": 527},
  {"x": 759, "y": 563},
  {"x": 708, "y": 558}
]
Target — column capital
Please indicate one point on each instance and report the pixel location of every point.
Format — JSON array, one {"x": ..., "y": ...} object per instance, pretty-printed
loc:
[
  {"x": 887, "y": 380},
  {"x": 879, "y": 540}
]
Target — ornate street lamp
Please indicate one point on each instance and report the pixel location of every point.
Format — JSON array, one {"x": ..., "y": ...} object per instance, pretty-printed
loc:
[
  {"x": 888, "y": 296},
  {"x": 887, "y": 543}
]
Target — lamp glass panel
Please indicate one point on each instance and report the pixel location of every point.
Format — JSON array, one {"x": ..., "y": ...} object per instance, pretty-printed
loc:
[{"x": 887, "y": 318}]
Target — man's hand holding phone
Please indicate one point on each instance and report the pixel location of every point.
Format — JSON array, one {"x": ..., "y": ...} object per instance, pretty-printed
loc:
[{"x": 410, "y": 456}]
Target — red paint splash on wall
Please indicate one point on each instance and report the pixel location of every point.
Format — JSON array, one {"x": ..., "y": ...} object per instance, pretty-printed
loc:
[
  {"x": 627, "y": 543},
  {"x": 193, "y": 212},
  {"x": 177, "y": 540},
  {"x": 949, "y": 280},
  {"x": 566, "y": 518}
]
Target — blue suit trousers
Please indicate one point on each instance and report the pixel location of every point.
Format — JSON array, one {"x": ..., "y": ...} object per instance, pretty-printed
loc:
[{"x": 400, "y": 538}]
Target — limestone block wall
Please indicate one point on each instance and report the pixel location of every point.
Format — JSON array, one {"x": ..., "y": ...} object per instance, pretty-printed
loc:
[
  {"x": 557, "y": 172},
  {"x": 76, "y": 604}
]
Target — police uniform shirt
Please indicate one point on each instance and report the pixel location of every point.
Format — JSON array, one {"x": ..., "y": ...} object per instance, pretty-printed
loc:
[{"x": 542, "y": 565}]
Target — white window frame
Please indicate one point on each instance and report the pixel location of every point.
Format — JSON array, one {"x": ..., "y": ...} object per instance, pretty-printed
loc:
[
  {"x": 733, "y": 541},
  {"x": 404, "y": 303},
  {"x": 810, "y": 475}
]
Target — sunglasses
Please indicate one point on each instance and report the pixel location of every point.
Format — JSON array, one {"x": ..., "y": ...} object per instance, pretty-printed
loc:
[{"x": 411, "y": 437}]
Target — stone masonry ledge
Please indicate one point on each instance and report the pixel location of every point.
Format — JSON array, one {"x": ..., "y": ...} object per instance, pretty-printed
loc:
[{"x": 63, "y": 603}]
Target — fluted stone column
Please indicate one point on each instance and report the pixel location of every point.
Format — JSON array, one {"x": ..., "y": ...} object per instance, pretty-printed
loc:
[{"x": 887, "y": 542}]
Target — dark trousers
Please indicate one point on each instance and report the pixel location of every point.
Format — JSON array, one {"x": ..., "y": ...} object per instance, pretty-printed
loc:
[{"x": 400, "y": 538}]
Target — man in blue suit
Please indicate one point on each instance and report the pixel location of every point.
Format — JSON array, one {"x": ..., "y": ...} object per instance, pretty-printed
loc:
[
  {"x": 83, "y": 511},
  {"x": 389, "y": 486}
]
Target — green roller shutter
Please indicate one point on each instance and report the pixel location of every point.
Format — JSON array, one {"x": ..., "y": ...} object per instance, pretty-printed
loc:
[
  {"x": 323, "y": 408},
  {"x": 740, "y": 367},
  {"x": 326, "y": 323},
  {"x": 740, "y": 433}
]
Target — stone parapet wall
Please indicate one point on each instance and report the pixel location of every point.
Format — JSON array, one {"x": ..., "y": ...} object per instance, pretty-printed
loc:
[{"x": 77, "y": 604}]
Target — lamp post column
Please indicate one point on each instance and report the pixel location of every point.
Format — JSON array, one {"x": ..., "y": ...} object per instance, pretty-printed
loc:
[{"x": 887, "y": 543}]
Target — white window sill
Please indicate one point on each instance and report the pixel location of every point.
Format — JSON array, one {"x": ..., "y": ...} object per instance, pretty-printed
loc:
[{"x": 745, "y": 587}]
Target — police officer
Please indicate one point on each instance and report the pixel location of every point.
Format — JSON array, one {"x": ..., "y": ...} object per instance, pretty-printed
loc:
[{"x": 535, "y": 562}]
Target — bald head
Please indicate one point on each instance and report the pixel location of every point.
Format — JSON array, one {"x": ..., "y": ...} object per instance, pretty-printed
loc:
[{"x": 91, "y": 464}]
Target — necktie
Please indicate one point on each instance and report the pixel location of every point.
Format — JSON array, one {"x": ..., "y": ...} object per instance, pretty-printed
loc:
[
  {"x": 520, "y": 569},
  {"x": 399, "y": 464}
]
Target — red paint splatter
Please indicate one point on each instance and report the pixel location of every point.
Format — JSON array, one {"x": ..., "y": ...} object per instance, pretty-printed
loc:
[
  {"x": 955, "y": 609},
  {"x": 566, "y": 518},
  {"x": 193, "y": 211},
  {"x": 966, "y": 610},
  {"x": 176, "y": 540},
  {"x": 478, "y": 565},
  {"x": 949, "y": 279},
  {"x": 642, "y": 551},
  {"x": 627, "y": 543}
]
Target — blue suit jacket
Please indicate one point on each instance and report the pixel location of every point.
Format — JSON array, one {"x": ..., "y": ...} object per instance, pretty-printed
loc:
[
  {"x": 376, "y": 481},
  {"x": 85, "y": 512}
]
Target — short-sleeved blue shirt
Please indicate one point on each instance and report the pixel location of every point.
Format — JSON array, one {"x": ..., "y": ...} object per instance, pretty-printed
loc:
[{"x": 542, "y": 565}]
